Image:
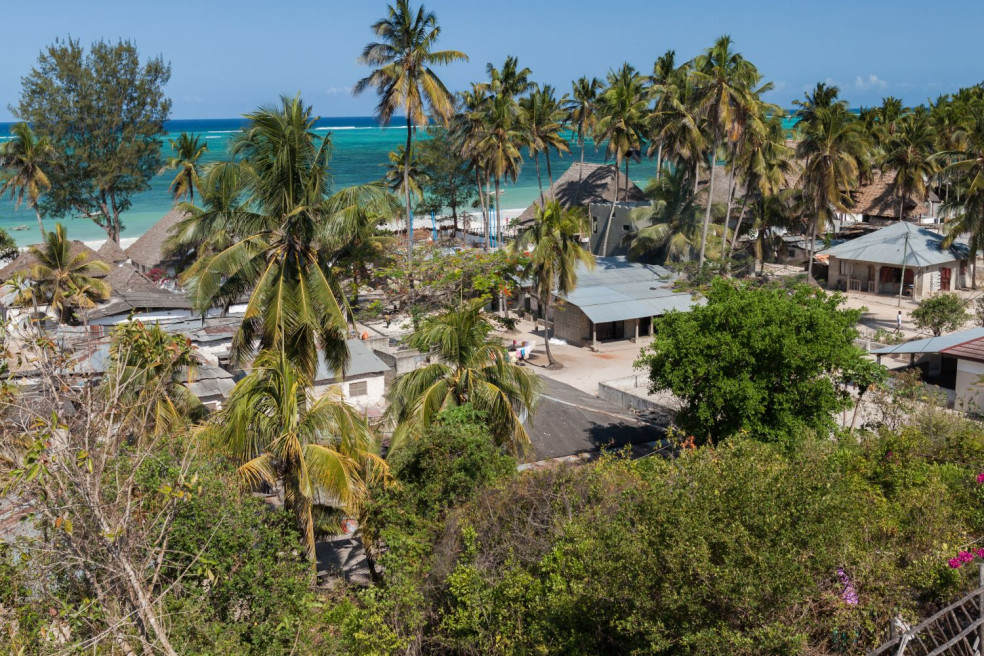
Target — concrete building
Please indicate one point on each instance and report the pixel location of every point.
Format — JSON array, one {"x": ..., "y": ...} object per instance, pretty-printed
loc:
[
  {"x": 882, "y": 261},
  {"x": 616, "y": 301},
  {"x": 364, "y": 382},
  {"x": 624, "y": 226}
]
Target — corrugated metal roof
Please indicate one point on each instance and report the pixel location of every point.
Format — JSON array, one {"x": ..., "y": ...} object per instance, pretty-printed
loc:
[
  {"x": 886, "y": 246},
  {"x": 972, "y": 350},
  {"x": 361, "y": 361},
  {"x": 933, "y": 344},
  {"x": 619, "y": 290}
]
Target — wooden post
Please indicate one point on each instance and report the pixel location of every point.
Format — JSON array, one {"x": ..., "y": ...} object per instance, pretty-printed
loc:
[{"x": 980, "y": 611}]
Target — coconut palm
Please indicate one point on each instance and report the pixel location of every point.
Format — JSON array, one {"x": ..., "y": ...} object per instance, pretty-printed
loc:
[
  {"x": 622, "y": 116},
  {"x": 319, "y": 452},
  {"x": 467, "y": 366},
  {"x": 910, "y": 153},
  {"x": 469, "y": 133},
  {"x": 403, "y": 76},
  {"x": 541, "y": 118},
  {"x": 396, "y": 177},
  {"x": 151, "y": 367},
  {"x": 24, "y": 160},
  {"x": 205, "y": 230},
  {"x": 63, "y": 281},
  {"x": 555, "y": 252},
  {"x": 823, "y": 96},
  {"x": 663, "y": 87},
  {"x": 676, "y": 125},
  {"x": 582, "y": 111},
  {"x": 672, "y": 226},
  {"x": 831, "y": 148},
  {"x": 967, "y": 167},
  {"x": 500, "y": 147},
  {"x": 724, "y": 80},
  {"x": 285, "y": 232},
  {"x": 188, "y": 149}
]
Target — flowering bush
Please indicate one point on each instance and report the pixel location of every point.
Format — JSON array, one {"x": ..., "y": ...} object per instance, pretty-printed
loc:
[{"x": 965, "y": 557}]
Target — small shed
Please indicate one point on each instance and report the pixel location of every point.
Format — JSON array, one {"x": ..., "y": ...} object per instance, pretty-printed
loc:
[
  {"x": 900, "y": 256},
  {"x": 147, "y": 252},
  {"x": 616, "y": 301},
  {"x": 26, "y": 261},
  {"x": 212, "y": 385}
]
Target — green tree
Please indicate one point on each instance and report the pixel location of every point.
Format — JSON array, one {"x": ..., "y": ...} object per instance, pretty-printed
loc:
[
  {"x": 582, "y": 111},
  {"x": 942, "y": 313},
  {"x": 448, "y": 182},
  {"x": 724, "y": 80},
  {"x": 152, "y": 367},
  {"x": 396, "y": 177},
  {"x": 104, "y": 112},
  {"x": 8, "y": 246},
  {"x": 402, "y": 62},
  {"x": 24, "y": 162},
  {"x": 621, "y": 122},
  {"x": 831, "y": 149},
  {"x": 753, "y": 360},
  {"x": 467, "y": 367},
  {"x": 541, "y": 120},
  {"x": 674, "y": 220},
  {"x": 319, "y": 452},
  {"x": 63, "y": 281},
  {"x": 188, "y": 149},
  {"x": 555, "y": 252},
  {"x": 910, "y": 153},
  {"x": 287, "y": 229}
]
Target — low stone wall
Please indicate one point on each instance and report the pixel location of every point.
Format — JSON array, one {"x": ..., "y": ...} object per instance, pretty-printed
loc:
[{"x": 624, "y": 392}]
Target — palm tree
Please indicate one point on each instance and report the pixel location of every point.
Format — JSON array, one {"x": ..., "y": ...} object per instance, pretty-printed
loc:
[
  {"x": 674, "y": 221},
  {"x": 285, "y": 230},
  {"x": 205, "y": 230},
  {"x": 396, "y": 177},
  {"x": 188, "y": 149},
  {"x": 541, "y": 117},
  {"x": 500, "y": 147},
  {"x": 63, "y": 281},
  {"x": 553, "y": 242},
  {"x": 831, "y": 148},
  {"x": 823, "y": 96},
  {"x": 622, "y": 116},
  {"x": 663, "y": 87},
  {"x": 469, "y": 133},
  {"x": 151, "y": 367},
  {"x": 676, "y": 125},
  {"x": 967, "y": 206},
  {"x": 467, "y": 368},
  {"x": 910, "y": 152},
  {"x": 403, "y": 76},
  {"x": 319, "y": 452},
  {"x": 23, "y": 161},
  {"x": 724, "y": 79},
  {"x": 582, "y": 111}
]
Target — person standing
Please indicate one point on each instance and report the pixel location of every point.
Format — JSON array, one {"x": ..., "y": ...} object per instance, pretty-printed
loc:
[{"x": 898, "y": 321}]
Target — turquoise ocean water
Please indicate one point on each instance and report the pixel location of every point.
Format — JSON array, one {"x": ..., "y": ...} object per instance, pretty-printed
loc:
[{"x": 360, "y": 151}]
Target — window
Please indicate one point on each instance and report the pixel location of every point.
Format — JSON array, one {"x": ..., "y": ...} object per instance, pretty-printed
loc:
[
  {"x": 359, "y": 388},
  {"x": 846, "y": 268},
  {"x": 626, "y": 227},
  {"x": 594, "y": 226}
]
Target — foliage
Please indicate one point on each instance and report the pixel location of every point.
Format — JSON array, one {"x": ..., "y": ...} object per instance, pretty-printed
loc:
[
  {"x": 8, "y": 246},
  {"x": 104, "y": 112},
  {"x": 188, "y": 149},
  {"x": 63, "y": 281},
  {"x": 942, "y": 313},
  {"x": 755, "y": 360},
  {"x": 468, "y": 366},
  {"x": 320, "y": 452},
  {"x": 448, "y": 183},
  {"x": 24, "y": 162}
]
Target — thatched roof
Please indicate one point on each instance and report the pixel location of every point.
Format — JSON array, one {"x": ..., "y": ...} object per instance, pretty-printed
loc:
[
  {"x": 133, "y": 290},
  {"x": 111, "y": 253},
  {"x": 24, "y": 262},
  {"x": 594, "y": 183},
  {"x": 879, "y": 199},
  {"x": 147, "y": 250},
  {"x": 125, "y": 279}
]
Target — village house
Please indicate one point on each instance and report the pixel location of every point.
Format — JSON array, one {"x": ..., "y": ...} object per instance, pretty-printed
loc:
[
  {"x": 364, "y": 381},
  {"x": 147, "y": 252},
  {"x": 902, "y": 256},
  {"x": 878, "y": 203},
  {"x": 615, "y": 301}
]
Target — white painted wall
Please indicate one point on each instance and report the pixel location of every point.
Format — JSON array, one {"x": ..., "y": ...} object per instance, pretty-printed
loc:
[
  {"x": 375, "y": 395},
  {"x": 970, "y": 389}
]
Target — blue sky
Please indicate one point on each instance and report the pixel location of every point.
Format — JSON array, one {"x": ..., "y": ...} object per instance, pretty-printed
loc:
[{"x": 228, "y": 57}]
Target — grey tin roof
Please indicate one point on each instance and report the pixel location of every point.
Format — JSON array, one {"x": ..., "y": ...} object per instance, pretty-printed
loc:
[
  {"x": 618, "y": 290},
  {"x": 362, "y": 361},
  {"x": 886, "y": 246},
  {"x": 932, "y": 344}
]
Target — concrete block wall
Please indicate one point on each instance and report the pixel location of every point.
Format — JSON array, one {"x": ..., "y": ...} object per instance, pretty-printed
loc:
[{"x": 571, "y": 325}]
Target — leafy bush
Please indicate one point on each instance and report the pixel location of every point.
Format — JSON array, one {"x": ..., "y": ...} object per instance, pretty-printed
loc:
[{"x": 943, "y": 313}]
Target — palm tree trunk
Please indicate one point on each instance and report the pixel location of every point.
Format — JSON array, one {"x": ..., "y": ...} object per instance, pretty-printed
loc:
[
  {"x": 546, "y": 152},
  {"x": 539, "y": 181},
  {"x": 481, "y": 201},
  {"x": 710, "y": 196},
  {"x": 857, "y": 407},
  {"x": 741, "y": 217},
  {"x": 813, "y": 245},
  {"x": 406, "y": 187},
  {"x": 611, "y": 216},
  {"x": 545, "y": 304},
  {"x": 498, "y": 215},
  {"x": 659, "y": 162},
  {"x": 37, "y": 213},
  {"x": 727, "y": 215}
]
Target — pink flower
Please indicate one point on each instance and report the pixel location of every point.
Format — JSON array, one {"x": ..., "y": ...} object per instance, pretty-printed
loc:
[
  {"x": 980, "y": 478},
  {"x": 965, "y": 556},
  {"x": 954, "y": 563}
]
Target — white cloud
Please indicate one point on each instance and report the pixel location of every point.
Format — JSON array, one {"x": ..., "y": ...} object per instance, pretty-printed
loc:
[
  {"x": 338, "y": 91},
  {"x": 872, "y": 81}
]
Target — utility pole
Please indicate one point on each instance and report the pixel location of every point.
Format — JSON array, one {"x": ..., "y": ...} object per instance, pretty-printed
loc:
[{"x": 905, "y": 253}]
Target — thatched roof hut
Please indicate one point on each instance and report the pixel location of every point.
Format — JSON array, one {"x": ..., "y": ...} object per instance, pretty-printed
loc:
[
  {"x": 147, "y": 252},
  {"x": 24, "y": 262},
  {"x": 879, "y": 199},
  {"x": 111, "y": 253},
  {"x": 578, "y": 187}
]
